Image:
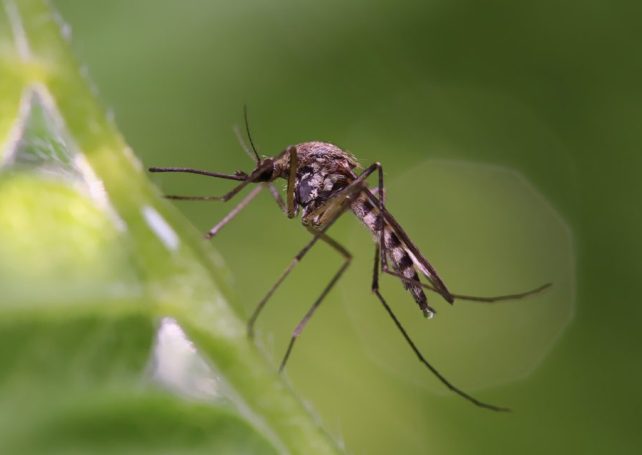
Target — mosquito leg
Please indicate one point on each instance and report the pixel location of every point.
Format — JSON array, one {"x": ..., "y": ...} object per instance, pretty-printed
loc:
[
  {"x": 300, "y": 255},
  {"x": 284, "y": 274},
  {"x": 347, "y": 257},
  {"x": 413, "y": 346},
  {"x": 375, "y": 270},
  {"x": 238, "y": 176},
  {"x": 381, "y": 197},
  {"x": 277, "y": 197},
  {"x": 291, "y": 209},
  {"x": 235, "y": 211},
  {"x": 499, "y": 298},
  {"x": 230, "y": 216},
  {"x": 474, "y": 298},
  {"x": 244, "y": 178},
  {"x": 224, "y": 198},
  {"x": 244, "y": 203}
]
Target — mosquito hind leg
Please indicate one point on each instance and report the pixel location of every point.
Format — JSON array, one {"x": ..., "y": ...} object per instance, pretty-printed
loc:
[
  {"x": 475, "y": 298},
  {"x": 232, "y": 214},
  {"x": 240, "y": 176},
  {"x": 347, "y": 258},
  {"x": 415, "y": 349}
]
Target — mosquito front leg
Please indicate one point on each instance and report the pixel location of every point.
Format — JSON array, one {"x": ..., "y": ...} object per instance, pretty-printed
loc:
[
  {"x": 245, "y": 179},
  {"x": 277, "y": 198},
  {"x": 238, "y": 176},
  {"x": 235, "y": 211},
  {"x": 347, "y": 258},
  {"x": 244, "y": 203}
]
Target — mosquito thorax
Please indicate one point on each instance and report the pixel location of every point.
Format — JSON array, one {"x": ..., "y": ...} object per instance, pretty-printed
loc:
[
  {"x": 322, "y": 169},
  {"x": 326, "y": 155},
  {"x": 323, "y": 156}
]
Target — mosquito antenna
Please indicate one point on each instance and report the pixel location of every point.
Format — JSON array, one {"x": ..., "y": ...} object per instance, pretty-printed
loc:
[{"x": 249, "y": 136}]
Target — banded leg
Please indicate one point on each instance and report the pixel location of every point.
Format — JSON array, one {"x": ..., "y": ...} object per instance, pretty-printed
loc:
[
  {"x": 413, "y": 346},
  {"x": 347, "y": 258}
]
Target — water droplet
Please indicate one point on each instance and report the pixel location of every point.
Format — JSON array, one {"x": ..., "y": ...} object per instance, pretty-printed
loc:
[{"x": 429, "y": 314}]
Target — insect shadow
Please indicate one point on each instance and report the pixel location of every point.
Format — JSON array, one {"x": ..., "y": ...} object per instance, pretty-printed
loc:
[{"x": 322, "y": 185}]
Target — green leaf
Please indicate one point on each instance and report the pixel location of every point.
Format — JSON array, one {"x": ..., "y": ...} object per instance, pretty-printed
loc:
[{"x": 115, "y": 333}]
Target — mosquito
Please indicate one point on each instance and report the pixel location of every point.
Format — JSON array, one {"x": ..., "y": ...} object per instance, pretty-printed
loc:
[{"x": 322, "y": 185}]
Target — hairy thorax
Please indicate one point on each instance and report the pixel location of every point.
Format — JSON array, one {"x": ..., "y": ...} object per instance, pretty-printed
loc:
[{"x": 323, "y": 170}]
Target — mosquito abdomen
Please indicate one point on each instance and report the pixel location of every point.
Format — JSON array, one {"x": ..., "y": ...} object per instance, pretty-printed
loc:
[{"x": 396, "y": 253}]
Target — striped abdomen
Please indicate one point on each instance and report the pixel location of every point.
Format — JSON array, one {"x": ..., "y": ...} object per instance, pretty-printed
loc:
[{"x": 396, "y": 253}]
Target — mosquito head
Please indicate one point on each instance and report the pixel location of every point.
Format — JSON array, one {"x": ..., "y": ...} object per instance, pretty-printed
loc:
[{"x": 264, "y": 171}]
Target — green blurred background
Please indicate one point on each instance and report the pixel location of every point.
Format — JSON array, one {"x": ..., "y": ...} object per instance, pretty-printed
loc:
[{"x": 451, "y": 96}]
